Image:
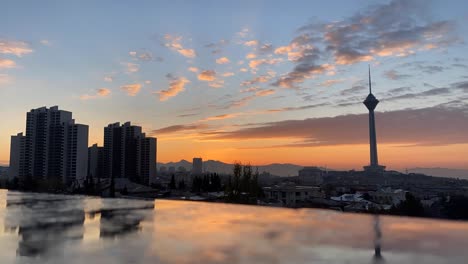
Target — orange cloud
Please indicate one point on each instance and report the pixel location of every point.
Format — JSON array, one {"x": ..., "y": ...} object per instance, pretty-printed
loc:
[
  {"x": 193, "y": 69},
  {"x": 189, "y": 53},
  {"x": 251, "y": 56},
  {"x": 251, "y": 43},
  {"x": 255, "y": 63},
  {"x": 216, "y": 84},
  {"x": 250, "y": 89},
  {"x": 100, "y": 93},
  {"x": 222, "y": 60},
  {"x": 207, "y": 75},
  {"x": 17, "y": 48},
  {"x": 176, "y": 85},
  {"x": 7, "y": 64},
  {"x": 265, "y": 92},
  {"x": 174, "y": 43},
  {"x": 131, "y": 89},
  {"x": 220, "y": 117},
  {"x": 228, "y": 74}
]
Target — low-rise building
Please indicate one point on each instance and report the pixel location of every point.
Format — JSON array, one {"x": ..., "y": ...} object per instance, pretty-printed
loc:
[{"x": 290, "y": 194}]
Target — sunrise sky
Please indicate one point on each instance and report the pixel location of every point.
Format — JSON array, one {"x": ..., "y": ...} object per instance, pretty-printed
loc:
[{"x": 252, "y": 81}]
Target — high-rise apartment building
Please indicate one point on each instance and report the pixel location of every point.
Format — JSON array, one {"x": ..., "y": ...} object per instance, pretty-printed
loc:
[
  {"x": 197, "y": 166},
  {"x": 128, "y": 153},
  {"x": 95, "y": 161},
  {"x": 54, "y": 147}
]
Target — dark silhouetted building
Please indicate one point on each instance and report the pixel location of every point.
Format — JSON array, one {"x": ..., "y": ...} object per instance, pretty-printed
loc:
[
  {"x": 128, "y": 153},
  {"x": 197, "y": 166},
  {"x": 95, "y": 161},
  {"x": 54, "y": 147}
]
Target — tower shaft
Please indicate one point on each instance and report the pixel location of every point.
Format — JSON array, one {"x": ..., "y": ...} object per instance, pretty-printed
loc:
[{"x": 374, "y": 161}]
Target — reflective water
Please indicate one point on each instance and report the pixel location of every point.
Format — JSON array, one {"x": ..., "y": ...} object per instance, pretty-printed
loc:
[{"x": 42, "y": 228}]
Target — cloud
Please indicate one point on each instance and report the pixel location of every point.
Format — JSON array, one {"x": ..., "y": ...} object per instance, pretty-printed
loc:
[
  {"x": 174, "y": 43},
  {"x": 178, "y": 128},
  {"x": 189, "y": 53},
  {"x": 144, "y": 56},
  {"x": 131, "y": 89},
  {"x": 394, "y": 75},
  {"x": 423, "y": 94},
  {"x": 108, "y": 78},
  {"x": 461, "y": 85},
  {"x": 222, "y": 60},
  {"x": 296, "y": 108},
  {"x": 193, "y": 69},
  {"x": 251, "y": 56},
  {"x": 18, "y": 48},
  {"x": 266, "y": 48},
  {"x": 250, "y": 89},
  {"x": 256, "y": 80},
  {"x": 228, "y": 74},
  {"x": 45, "y": 42},
  {"x": 176, "y": 85},
  {"x": 255, "y": 63},
  {"x": 355, "y": 89},
  {"x": 329, "y": 83},
  {"x": 243, "y": 33},
  {"x": 220, "y": 117},
  {"x": 265, "y": 92},
  {"x": 427, "y": 126},
  {"x": 243, "y": 70},
  {"x": 239, "y": 102},
  {"x": 431, "y": 69},
  {"x": 395, "y": 29},
  {"x": 216, "y": 83},
  {"x": 300, "y": 73},
  {"x": 251, "y": 43},
  {"x": 131, "y": 67},
  {"x": 398, "y": 90},
  {"x": 100, "y": 93},
  {"x": 7, "y": 64},
  {"x": 207, "y": 75}
]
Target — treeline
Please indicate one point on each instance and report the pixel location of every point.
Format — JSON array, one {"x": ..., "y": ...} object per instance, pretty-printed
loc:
[
  {"x": 207, "y": 183},
  {"x": 243, "y": 186}
]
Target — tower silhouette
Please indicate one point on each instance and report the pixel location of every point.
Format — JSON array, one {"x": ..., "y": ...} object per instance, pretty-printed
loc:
[{"x": 371, "y": 103}]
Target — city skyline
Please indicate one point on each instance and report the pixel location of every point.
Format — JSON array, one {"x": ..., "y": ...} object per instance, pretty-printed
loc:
[{"x": 255, "y": 88}]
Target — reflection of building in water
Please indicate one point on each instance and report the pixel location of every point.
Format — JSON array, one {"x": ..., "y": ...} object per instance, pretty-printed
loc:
[
  {"x": 116, "y": 222},
  {"x": 43, "y": 224}
]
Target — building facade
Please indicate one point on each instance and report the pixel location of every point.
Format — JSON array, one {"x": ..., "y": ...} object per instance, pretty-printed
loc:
[
  {"x": 95, "y": 161},
  {"x": 311, "y": 176},
  {"x": 197, "y": 166},
  {"x": 53, "y": 148},
  {"x": 128, "y": 153}
]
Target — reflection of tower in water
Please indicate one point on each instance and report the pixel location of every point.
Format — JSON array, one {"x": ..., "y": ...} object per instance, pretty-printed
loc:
[{"x": 377, "y": 241}]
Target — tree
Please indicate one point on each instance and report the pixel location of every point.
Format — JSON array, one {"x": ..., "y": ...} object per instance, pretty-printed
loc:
[
  {"x": 172, "y": 184},
  {"x": 410, "y": 207},
  {"x": 182, "y": 185},
  {"x": 456, "y": 207}
]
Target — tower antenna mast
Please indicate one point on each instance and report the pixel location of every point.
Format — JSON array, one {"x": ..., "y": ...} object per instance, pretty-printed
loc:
[{"x": 370, "y": 85}]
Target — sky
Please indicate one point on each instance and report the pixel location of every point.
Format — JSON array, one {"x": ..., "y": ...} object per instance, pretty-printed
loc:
[{"x": 253, "y": 81}]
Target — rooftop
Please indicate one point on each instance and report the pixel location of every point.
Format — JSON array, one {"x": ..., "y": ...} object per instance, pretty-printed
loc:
[{"x": 44, "y": 228}]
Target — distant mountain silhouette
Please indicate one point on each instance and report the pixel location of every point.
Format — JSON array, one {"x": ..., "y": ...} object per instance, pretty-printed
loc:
[
  {"x": 287, "y": 169},
  {"x": 277, "y": 169},
  {"x": 441, "y": 172}
]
